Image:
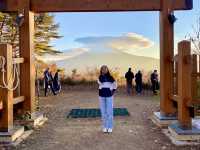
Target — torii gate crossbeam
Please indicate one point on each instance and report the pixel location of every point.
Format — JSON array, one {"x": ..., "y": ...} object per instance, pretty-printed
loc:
[{"x": 93, "y": 5}]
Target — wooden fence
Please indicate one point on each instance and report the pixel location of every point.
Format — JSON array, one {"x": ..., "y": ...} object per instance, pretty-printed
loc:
[
  {"x": 8, "y": 98},
  {"x": 185, "y": 86}
]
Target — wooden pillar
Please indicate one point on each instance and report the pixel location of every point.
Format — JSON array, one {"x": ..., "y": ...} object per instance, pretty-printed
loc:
[
  {"x": 184, "y": 83},
  {"x": 166, "y": 56},
  {"x": 6, "y": 96},
  {"x": 27, "y": 69},
  {"x": 194, "y": 75},
  {"x": 176, "y": 81},
  {"x": 199, "y": 65},
  {"x": 175, "y": 76}
]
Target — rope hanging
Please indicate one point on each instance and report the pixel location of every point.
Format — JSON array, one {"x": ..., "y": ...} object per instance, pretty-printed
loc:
[{"x": 5, "y": 85}]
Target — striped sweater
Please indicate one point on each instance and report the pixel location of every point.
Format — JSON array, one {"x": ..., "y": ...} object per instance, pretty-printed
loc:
[{"x": 107, "y": 85}]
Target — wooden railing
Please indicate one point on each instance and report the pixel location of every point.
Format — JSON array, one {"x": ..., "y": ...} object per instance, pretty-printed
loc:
[
  {"x": 18, "y": 100},
  {"x": 7, "y": 99},
  {"x": 186, "y": 73},
  {"x": 18, "y": 60}
]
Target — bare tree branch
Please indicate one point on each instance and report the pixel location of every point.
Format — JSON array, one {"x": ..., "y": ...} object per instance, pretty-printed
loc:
[{"x": 194, "y": 37}]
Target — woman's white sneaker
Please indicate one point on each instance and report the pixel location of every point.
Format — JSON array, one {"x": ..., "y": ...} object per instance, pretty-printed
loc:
[
  {"x": 105, "y": 130},
  {"x": 109, "y": 130}
]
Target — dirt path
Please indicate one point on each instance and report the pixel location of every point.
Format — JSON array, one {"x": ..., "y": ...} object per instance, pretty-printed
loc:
[{"x": 130, "y": 133}]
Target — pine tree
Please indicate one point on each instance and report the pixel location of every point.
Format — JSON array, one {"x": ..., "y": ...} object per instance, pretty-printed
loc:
[{"x": 45, "y": 31}]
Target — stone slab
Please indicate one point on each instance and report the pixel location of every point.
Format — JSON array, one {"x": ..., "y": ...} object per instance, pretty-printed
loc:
[
  {"x": 37, "y": 119},
  {"x": 12, "y": 135},
  {"x": 181, "y": 134},
  {"x": 163, "y": 121},
  {"x": 178, "y": 142}
]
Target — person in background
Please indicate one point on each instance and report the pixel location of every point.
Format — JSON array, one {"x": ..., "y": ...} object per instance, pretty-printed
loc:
[
  {"x": 154, "y": 81},
  {"x": 56, "y": 82},
  {"x": 138, "y": 81},
  {"x": 129, "y": 80},
  {"x": 48, "y": 81},
  {"x": 107, "y": 87}
]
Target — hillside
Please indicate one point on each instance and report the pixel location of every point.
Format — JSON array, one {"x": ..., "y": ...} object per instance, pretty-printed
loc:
[{"x": 112, "y": 59}]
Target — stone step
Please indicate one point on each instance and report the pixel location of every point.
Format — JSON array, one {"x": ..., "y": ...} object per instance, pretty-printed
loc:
[{"x": 12, "y": 135}]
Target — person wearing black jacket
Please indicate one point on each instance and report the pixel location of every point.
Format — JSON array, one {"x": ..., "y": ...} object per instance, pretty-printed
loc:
[
  {"x": 129, "y": 81},
  {"x": 48, "y": 81},
  {"x": 154, "y": 82},
  {"x": 107, "y": 87},
  {"x": 56, "y": 82},
  {"x": 138, "y": 81}
]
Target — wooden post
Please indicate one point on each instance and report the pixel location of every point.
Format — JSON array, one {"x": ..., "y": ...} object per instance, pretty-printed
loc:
[
  {"x": 27, "y": 69},
  {"x": 166, "y": 56},
  {"x": 194, "y": 75},
  {"x": 175, "y": 76},
  {"x": 176, "y": 83},
  {"x": 184, "y": 83},
  {"x": 198, "y": 64},
  {"x": 6, "y": 96}
]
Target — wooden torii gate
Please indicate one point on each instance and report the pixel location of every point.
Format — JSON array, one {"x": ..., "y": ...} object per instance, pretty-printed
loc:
[{"x": 29, "y": 7}]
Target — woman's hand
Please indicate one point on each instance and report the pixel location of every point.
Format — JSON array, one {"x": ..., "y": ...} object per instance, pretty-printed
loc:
[{"x": 113, "y": 91}]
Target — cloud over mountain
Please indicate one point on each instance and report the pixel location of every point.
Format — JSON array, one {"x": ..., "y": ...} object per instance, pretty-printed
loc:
[
  {"x": 63, "y": 56},
  {"x": 127, "y": 43},
  {"x": 130, "y": 43}
]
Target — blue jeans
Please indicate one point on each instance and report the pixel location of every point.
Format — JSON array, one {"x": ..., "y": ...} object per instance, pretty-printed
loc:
[
  {"x": 138, "y": 87},
  {"x": 129, "y": 88},
  {"x": 106, "y": 106}
]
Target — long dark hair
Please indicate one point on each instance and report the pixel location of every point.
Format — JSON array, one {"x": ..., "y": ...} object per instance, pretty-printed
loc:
[{"x": 108, "y": 75}]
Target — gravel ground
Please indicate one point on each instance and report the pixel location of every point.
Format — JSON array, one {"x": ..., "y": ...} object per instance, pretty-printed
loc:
[{"x": 136, "y": 132}]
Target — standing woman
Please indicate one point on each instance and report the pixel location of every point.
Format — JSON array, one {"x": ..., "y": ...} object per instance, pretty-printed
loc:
[
  {"x": 48, "y": 80},
  {"x": 107, "y": 87},
  {"x": 56, "y": 82}
]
